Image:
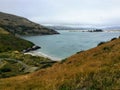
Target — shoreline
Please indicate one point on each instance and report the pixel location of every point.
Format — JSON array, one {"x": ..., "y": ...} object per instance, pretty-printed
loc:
[{"x": 36, "y": 53}]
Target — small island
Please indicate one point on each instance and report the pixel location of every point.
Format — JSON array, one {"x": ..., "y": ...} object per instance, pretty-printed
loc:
[{"x": 96, "y": 30}]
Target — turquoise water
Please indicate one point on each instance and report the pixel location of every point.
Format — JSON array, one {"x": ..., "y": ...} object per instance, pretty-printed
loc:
[{"x": 68, "y": 43}]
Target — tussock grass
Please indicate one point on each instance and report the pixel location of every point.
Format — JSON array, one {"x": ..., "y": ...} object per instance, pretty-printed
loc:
[{"x": 94, "y": 69}]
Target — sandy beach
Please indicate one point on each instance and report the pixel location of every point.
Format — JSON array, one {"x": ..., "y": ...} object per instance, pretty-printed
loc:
[{"x": 36, "y": 53}]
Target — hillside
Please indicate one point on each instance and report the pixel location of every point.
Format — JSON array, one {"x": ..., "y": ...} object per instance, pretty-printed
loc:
[
  {"x": 19, "y": 25},
  {"x": 94, "y": 69},
  {"x": 13, "y": 62},
  {"x": 9, "y": 42},
  {"x": 65, "y": 27}
]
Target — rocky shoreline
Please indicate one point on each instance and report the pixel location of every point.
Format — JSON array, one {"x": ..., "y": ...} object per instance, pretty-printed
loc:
[{"x": 33, "y": 48}]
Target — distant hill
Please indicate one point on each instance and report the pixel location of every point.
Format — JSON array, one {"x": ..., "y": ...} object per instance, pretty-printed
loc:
[
  {"x": 94, "y": 69},
  {"x": 19, "y": 25},
  {"x": 112, "y": 28},
  {"x": 80, "y": 27},
  {"x": 60, "y": 27}
]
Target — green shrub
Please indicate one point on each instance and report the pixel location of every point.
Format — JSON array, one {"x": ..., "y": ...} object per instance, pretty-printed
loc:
[
  {"x": 62, "y": 61},
  {"x": 80, "y": 52},
  {"x": 113, "y": 39},
  {"x": 5, "y": 70},
  {"x": 106, "y": 48},
  {"x": 101, "y": 43},
  {"x": 64, "y": 87}
]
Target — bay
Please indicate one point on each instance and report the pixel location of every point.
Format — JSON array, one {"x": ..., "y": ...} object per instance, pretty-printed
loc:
[{"x": 67, "y": 43}]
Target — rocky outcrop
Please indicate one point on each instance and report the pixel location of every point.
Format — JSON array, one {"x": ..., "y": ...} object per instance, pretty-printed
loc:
[
  {"x": 31, "y": 49},
  {"x": 22, "y": 26}
]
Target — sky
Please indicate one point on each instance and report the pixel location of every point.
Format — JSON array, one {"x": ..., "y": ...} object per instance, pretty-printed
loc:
[{"x": 99, "y": 12}]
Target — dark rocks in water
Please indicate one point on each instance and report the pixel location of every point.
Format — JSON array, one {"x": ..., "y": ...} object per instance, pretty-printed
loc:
[
  {"x": 96, "y": 30},
  {"x": 26, "y": 50},
  {"x": 31, "y": 49},
  {"x": 36, "y": 47},
  {"x": 22, "y": 26}
]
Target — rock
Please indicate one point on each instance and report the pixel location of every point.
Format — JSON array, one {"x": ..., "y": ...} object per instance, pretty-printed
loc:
[
  {"x": 31, "y": 49},
  {"x": 36, "y": 47}
]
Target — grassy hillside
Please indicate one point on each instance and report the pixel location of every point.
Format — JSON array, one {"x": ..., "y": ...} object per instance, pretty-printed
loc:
[
  {"x": 9, "y": 42},
  {"x": 13, "y": 62},
  {"x": 2, "y": 31},
  {"x": 19, "y": 25},
  {"x": 94, "y": 69}
]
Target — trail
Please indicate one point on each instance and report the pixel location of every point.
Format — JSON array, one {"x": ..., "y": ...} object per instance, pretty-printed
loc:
[{"x": 26, "y": 67}]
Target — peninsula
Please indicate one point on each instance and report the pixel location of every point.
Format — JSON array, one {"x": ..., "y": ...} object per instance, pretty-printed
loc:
[{"x": 22, "y": 26}]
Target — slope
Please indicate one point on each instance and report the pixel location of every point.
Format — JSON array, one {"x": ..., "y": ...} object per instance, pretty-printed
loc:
[
  {"x": 19, "y": 25},
  {"x": 13, "y": 62},
  {"x": 9, "y": 42},
  {"x": 94, "y": 69}
]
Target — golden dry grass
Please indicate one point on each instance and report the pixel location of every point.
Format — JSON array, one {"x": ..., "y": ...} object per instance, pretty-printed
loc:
[{"x": 94, "y": 69}]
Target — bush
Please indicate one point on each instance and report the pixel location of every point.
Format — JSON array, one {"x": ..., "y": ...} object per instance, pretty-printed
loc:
[
  {"x": 63, "y": 60},
  {"x": 64, "y": 87},
  {"x": 5, "y": 70},
  {"x": 113, "y": 39},
  {"x": 106, "y": 48},
  {"x": 101, "y": 43},
  {"x": 80, "y": 52}
]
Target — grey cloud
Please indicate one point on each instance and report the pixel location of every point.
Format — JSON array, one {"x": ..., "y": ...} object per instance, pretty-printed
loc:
[{"x": 69, "y": 11}]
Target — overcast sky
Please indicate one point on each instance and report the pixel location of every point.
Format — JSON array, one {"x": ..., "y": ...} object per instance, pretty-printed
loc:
[{"x": 65, "y": 11}]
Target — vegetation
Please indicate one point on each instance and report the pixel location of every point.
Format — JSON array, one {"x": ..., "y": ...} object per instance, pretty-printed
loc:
[
  {"x": 80, "y": 52},
  {"x": 94, "y": 69},
  {"x": 9, "y": 42},
  {"x": 13, "y": 62},
  {"x": 22, "y": 26},
  {"x": 113, "y": 39},
  {"x": 101, "y": 43},
  {"x": 2, "y": 31}
]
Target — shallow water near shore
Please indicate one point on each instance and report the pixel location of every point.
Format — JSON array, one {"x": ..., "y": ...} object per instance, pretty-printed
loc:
[{"x": 67, "y": 43}]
